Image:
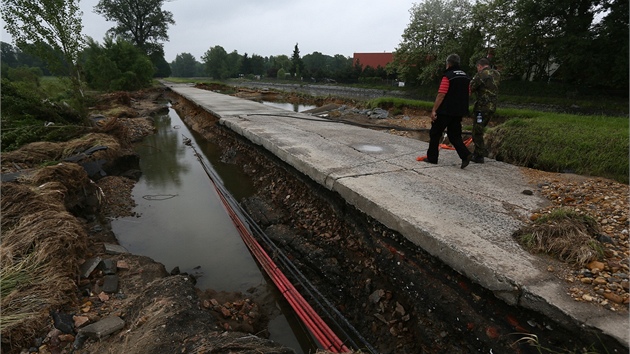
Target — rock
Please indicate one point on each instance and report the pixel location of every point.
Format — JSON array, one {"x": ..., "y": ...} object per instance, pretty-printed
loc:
[
  {"x": 103, "y": 297},
  {"x": 108, "y": 266},
  {"x": 88, "y": 267},
  {"x": 596, "y": 265},
  {"x": 400, "y": 309},
  {"x": 614, "y": 298},
  {"x": 110, "y": 283},
  {"x": 79, "y": 321},
  {"x": 225, "y": 312},
  {"x": 122, "y": 265},
  {"x": 103, "y": 327},
  {"x": 66, "y": 338},
  {"x": 63, "y": 322},
  {"x": 376, "y": 296},
  {"x": 115, "y": 249}
]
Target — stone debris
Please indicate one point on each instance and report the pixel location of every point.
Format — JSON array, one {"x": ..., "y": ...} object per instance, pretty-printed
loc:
[
  {"x": 89, "y": 266},
  {"x": 115, "y": 249},
  {"x": 103, "y": 327},
  {"x": 603, "y": 281}
]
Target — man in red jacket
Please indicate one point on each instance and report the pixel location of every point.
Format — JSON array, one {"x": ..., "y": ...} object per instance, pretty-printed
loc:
[{"x": 451, "y": 104}]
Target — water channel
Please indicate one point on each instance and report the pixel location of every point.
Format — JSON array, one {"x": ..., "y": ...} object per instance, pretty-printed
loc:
[{"x": 182, "y": 222}]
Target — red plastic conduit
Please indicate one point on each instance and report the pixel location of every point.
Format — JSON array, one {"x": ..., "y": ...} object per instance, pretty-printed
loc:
[{"x": 320, "y": 330}]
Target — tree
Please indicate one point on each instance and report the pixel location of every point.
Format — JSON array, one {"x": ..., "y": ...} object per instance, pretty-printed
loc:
[
  {"x": 297, "y": 66},
  {"x": 117, "y": 65},
  {"x": 257, "y": 64},
  {"x": 612, "y": 32},
  {"x": 215, "y": 60},
  {"x": 437, "y": 28},
  {"x": 184, "y": 65},
  {"x": 245, "y": 68},
  {"x": 233, "y": 64},
  {"x": 9, "y": 55},
  {"x": 316, "y": 65},
  {"x": 142, "y": 22},
  {"x": 49, "y": 24},
  {"x": 162, "y": 69}
]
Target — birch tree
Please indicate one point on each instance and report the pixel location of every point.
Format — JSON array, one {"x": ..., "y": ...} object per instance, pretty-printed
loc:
[{"x": 41, "y": 25}]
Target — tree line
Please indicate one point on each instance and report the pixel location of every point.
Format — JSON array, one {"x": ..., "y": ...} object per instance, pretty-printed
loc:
[
  {"x": 577, "y": 42},
  {"x": 217, "y": 63}
]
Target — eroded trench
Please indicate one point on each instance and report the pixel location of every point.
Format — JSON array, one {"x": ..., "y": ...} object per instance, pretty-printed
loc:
[{"x": 398, "y": 297}]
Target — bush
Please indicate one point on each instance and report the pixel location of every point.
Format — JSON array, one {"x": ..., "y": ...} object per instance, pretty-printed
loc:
[
  {"x": 28, "y": 116},
  {"x": 117, "y": 66}
]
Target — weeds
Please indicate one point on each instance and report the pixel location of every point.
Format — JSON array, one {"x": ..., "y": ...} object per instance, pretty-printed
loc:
[{"x": 564, "y": 234}]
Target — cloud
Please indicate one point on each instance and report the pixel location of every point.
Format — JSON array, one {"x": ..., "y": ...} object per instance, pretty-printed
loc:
[{"x": 273, "y": 27}]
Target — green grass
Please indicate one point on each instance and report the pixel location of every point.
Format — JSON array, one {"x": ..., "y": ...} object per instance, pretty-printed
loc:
[
  {"x": 394, "y": 102},
  {"x": 586, "y": 145},
  {"x": 592, "y": 145}
]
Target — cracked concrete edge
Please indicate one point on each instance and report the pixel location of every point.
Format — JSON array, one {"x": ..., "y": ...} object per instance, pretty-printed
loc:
[
  {"x": 565, "y": 312},
  {"x": 572, "y": 314}
]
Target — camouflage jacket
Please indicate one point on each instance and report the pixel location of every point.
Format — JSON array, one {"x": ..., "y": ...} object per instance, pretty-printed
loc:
[{"x": 485, "y": 86}]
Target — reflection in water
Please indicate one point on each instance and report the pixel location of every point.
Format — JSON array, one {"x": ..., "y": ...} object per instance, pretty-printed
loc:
[
  {"x": 169, "y": 167},
  {"x": 183, "y": 222}
]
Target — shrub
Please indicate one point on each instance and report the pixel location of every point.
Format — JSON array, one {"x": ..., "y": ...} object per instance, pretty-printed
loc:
[{"x": 117, "y": 66}]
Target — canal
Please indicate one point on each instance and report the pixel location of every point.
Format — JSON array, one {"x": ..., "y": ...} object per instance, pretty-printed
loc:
[{"x": 182, "y": 223}]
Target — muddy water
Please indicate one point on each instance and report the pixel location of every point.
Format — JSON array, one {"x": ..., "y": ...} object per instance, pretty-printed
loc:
[{"x": 183, "y": 224}]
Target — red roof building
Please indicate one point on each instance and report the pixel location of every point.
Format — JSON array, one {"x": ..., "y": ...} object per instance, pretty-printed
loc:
[{"x": 373, "y": 60}]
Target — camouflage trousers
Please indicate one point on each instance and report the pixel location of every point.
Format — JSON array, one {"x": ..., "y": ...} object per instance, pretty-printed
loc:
[{"x": 477, "y": 133}]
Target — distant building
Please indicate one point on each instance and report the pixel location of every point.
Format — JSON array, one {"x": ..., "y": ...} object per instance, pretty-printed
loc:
[{"x": 373, "y": 60}]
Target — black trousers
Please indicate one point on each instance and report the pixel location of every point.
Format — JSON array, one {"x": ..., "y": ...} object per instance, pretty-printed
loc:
[{"x": 453, "y": 126}]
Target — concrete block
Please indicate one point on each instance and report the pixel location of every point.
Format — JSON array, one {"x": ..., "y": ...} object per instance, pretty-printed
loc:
[
  {"x": 115, "y": 249},
  {"x": 88, "y": 267},
  {"x": 110, "y": 283},
  {"x": 108, "y": 266},
  {"x": 103, "y": 327}
]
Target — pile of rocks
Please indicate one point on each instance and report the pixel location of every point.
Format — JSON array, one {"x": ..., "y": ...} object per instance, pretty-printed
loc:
[{"x": 603, "y": 281}]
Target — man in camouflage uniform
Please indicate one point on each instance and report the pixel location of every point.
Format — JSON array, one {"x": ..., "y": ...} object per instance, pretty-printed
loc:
[{"x": 485, "y": 86}]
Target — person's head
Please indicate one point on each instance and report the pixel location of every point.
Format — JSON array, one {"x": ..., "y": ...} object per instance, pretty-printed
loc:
[
  {"x": 482, "y": 63},
  {"x": 452, "y": 60}
]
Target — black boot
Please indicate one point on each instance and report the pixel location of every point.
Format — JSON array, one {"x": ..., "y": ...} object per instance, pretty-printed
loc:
[{"x": 477, "y": 159}]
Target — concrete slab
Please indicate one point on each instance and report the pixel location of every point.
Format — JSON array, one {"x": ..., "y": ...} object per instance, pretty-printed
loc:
[
  {"x": 102, "y": 328},
  {"x": 463, "y": 217}
]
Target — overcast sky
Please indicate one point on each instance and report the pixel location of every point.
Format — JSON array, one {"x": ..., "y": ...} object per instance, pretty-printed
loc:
[{"x": 273, "y": 27}]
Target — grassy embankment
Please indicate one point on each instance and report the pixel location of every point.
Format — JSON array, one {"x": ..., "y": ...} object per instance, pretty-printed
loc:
[{"x": 593, "y": 145}]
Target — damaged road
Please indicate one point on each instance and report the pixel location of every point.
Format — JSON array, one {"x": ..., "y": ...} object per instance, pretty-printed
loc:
[{"x": 398, "y": 297}]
